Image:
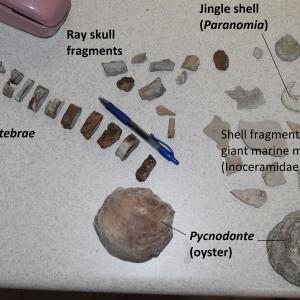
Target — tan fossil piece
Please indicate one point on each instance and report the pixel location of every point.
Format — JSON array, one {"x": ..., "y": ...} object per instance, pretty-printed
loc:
[
  {"x": 139, "y": 58},
  {"x": 235, "y": 161},
  {"x": 171, "y": 128},
  {"x": 290, "y": 100},
  {"x": 273, "y": 178},
  {"x": 253, "y": 197},
  {"x": 129, "y": 224},
  {"x": 191, "y": 63},
  {"x": 164, "y": 111},
  {"x": 294, "y": 126}
]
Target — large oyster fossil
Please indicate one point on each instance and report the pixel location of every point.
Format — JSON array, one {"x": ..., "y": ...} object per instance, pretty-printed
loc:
[
  {"x": 283, "y": 248},
  {"x": 129, "y": 224}
]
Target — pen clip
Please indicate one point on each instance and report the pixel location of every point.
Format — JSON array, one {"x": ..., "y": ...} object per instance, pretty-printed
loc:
[{"x": 162, "y": 143}]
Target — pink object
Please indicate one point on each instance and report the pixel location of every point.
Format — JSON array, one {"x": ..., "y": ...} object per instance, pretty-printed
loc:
[{"x": 39, "y": 17}]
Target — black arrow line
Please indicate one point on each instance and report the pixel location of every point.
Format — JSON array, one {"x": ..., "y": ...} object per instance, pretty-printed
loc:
[{"x": 173, "y": 228}]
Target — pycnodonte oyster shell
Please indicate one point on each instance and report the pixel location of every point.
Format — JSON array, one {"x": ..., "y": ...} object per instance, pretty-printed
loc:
[
  {"x": 284, "y": 252},
  {"x": 129, "y": 224}
]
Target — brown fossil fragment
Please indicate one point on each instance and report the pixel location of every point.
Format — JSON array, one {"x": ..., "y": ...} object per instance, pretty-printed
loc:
[
  {"x": 153, "y": 90},
  {"x": 39, "y": 96},
  {"x": 284, "y": 255},
  {"x": 126, "y": 84},
  {"x": 129, "y": 224},
  {"x": 171, "y": 128},
  {"x": 91, "y": 124},
  {"x": 71, "y": 116},
  {"x": 16, "y": 76},
  {"x": 53, "y": 107},
  {"x": 253, "y": 197},
  {"x": 164, "y": 111},
  {"x": 8, "y": 90},
  {"x": 139, "y": 58},
  {"x": 221, "y": 60},
  {"x": 191, "y": 63},
  {"x": 110, "y": 135},
  {"x": 145, "y": 169},
  {"x": 129, "y": 144}
]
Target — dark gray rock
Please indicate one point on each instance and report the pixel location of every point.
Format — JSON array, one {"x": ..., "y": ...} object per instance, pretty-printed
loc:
[
  {"x": 53, "y": 107},
  {"x": 163, "y": 65},
  {"x": 8, "y": 90},
  {"x": 16, "y": 76},
  {"x": 153, "y": 90},
  {"x": 114, "y": 68}
]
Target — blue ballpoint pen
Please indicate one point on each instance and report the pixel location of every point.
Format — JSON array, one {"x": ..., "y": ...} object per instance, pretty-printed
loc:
[{"x": 158, "y": 145}]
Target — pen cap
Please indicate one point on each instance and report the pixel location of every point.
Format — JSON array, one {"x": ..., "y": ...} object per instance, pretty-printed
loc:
[{"x": 168, "y": 155}]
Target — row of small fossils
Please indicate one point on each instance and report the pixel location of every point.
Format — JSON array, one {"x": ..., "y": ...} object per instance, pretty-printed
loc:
[{"x": 70, "y": 117}]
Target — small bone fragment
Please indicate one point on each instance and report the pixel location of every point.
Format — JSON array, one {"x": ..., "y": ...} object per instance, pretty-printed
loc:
[
  {"x": 114, "y": 68},
  {"x": 191, "y": 63},
  {"x": 110, "y": 135},
  {"x": 153, "y": 90},
  {"x": 294, "y": 126},
  {"x": 129, "y": 144},
  {"x": 247, "y": 99},
  {"x": 39, "y": 96},
  {"x": 71, "y": 116},
  {"x": 139, "y": 58},
  {"x": 27, "y": 86},
  {"x": 8, "y": 90},
  {"x": 221, "y": 60},
  {"x": 258, "y": 53},
  {"x": 145, "y": 169},
  {"x": 16, "y": 76},
  {"x": 171, "y": 128},
  {"x": 214, "y": 131},
  {"x": 290, "y": 100},
  {"x": 126, "y": 84},
  {"x": 91, "y": 124},
  {"x": 182, "y": 78},
  {"x": 53, "y": 107},
  {"x": 287, "y": 48},
  {"x": 2, "y": 68},
  {"x": 163, "y": 65},
  {"x": 235, "y": 161},
  {"x": 164, "y": 111},
  {"x": 273, "y": 178},
  {"x": 253, "y": 197},
  {"x": 263, "y": 127}
]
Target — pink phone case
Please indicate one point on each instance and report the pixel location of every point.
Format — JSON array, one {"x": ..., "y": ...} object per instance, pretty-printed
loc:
[{"x": 39, "y": 17}]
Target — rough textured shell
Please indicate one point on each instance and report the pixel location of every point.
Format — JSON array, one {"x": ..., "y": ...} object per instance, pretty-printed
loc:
[{"x": 129, "y": 224}]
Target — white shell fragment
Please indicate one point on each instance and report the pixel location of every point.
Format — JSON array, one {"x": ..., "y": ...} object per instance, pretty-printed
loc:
[
  {"x": 253, "y": 197},
  {"x": 283, "y": 247},
  {"x": 191, "y": 63},
  {"x": 39, "y": 96},
  {"x": 53, "y": 107},
  {"x": 16, "y": 76},
  {"x": 114, "y": 68},
  {"x": 233, "y": 160},
  {"x": 273, "y": 178},
  {"x": 164, "y": 111},
  {"x": 22, "y": 93},
  {"x": 2, "y": 68},
  {"x": 263, "y": 127},
  {"x": 182, "y": 78},
  {"x": 153, "y": 90},
  {"x": 291, "y": 102},
  {"x": 258, "y": 53},
  {"x": 287, "y": 48},
  {"x": 214, "y": 131},
  {"x": 247, "y": 99},
  {"x": 129, "y": 224},
  {"x": 163, "y": 65},
  {"x": 171, "y": 128},
  {"x": 129, "y": 144}
]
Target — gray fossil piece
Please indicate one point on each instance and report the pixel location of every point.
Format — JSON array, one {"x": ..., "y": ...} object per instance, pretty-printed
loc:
[
  {"x": 8, "y": 90},
  {"x": 258, "y": 53},
  {"x": 284, "y": 255},
  {"x": 171, "y": 128},
  {"x": 114, "y": 68},
  {"x": 163, "y": 65},
  {"x": 139, "y": 58},
  {"x": 191, "y": 63},
  {"x": 214, "y": 131},
  {"x": 164, "y": 111},
  {"x": 153, "y": 90},
  {"x": 39, "y": 96},
  {"x": 262, "y": 127},
  {"x": 253, "y": 197},
  {"x": 129, "y": 224},
  {"x": 273, "y": 178},
  {"x": 287, "y": 48},
  {"x": 247, "y": 99},
  {"x": 128, "y": 145},
  {"x": 182, "y": 78},
  {"x": 25, "y": 89},
  {"x": 16, "y": 76},
  {"x": 53, "y": 107},
  {"x": 235, "y": 161},
  {"x": 289, "y": 99},
  {"x": 2, "y": 68}
]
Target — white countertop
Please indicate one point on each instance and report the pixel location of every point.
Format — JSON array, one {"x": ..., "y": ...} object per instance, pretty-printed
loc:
[{"x": 52, "y": 186}]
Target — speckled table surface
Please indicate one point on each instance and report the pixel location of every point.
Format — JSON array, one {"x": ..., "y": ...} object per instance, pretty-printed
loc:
[{"x": 53, "y": 185}]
